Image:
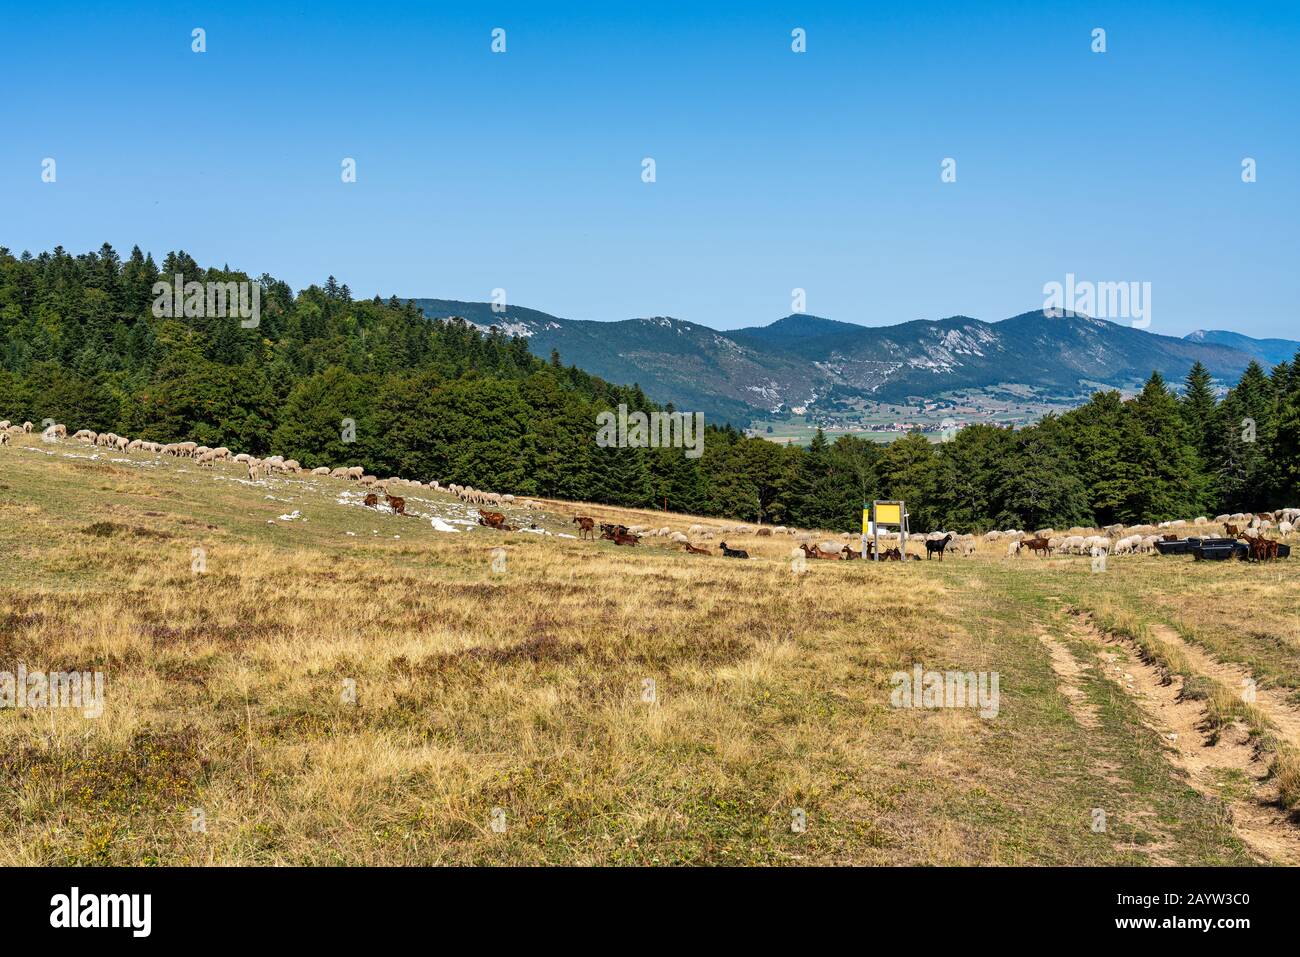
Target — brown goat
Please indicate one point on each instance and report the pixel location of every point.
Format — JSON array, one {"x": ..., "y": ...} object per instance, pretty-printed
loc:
[{"x": 812, "y": 551}]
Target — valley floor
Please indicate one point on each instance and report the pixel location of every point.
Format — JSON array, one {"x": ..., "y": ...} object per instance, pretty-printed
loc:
[{"x": 291, "y": 678}]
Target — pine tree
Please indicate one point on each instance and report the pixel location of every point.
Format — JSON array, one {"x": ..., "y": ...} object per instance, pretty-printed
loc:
[{"x": 1198, "y": 408}]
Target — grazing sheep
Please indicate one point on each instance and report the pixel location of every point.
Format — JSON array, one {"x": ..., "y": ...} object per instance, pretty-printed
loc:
[
  {"x": 4, "y": 424},
  {"x": 1097, "y": 541},
  {"x": 55, "y": 431},
  {"x": 1126, "y": 546},
  {"x": 321, "y": 470},
  {"x": 1072, "y": 545},
  {"x": 354, "y": 473},
  {"x": 1013, "y": 549}
]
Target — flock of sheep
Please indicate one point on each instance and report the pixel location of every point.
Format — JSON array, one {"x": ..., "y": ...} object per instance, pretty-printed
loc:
[
  {"x": 6, "y": 427},
  {"x": 1113, "y": 539},
  {"x": 261, "y": 467},
  {"x": 1141, "y": 539}
]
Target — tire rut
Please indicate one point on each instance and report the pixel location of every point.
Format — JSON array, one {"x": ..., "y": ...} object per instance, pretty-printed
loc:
[{"x": 1227, "y": 767}]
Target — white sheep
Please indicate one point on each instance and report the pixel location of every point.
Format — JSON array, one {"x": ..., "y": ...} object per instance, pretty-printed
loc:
[
  {"x": 1126, "y": 546},
  {"x": 1073, "y": 545},
  {"x": 1101, "y": 542}
]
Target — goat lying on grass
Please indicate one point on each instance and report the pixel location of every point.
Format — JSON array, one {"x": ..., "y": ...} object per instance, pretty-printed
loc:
[{"x": 814, "y": 551}]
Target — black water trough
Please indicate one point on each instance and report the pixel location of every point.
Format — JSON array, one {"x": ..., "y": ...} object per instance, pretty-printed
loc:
[
  {"x": 1213, "y": 549},
  {"x": 1181, "y": 546}
]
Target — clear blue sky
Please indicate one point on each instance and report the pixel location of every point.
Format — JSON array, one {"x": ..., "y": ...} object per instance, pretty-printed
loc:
[{"x": 775, "y": 170}]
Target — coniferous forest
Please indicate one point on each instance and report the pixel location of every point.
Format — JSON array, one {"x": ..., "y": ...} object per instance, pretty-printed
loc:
[{"x": 440, "y": 400}]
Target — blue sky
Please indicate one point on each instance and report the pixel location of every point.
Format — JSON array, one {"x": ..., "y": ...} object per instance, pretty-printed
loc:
[{"x": 775, "y": 170}]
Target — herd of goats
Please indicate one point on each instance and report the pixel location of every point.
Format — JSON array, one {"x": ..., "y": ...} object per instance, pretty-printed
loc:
[{"x": 1256, "y": 529}]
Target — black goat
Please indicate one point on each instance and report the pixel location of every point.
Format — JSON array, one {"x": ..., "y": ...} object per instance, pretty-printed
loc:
[{"x": 937, "y": 546}]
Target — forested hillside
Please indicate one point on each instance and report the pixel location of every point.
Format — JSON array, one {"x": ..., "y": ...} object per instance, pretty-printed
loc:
[{"x": 438, "y": 399}]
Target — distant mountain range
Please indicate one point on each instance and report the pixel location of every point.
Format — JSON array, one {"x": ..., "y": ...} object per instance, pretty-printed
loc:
[
  {"x": 1269, "y": 352},
  {"x": 803, "y": 362}
]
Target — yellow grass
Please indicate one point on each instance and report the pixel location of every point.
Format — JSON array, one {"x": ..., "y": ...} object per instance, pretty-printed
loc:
[{"x": 524, "y": 691}]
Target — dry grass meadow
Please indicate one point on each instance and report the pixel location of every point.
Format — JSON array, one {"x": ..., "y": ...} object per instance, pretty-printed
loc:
[{"x": 521, "y": 688}]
